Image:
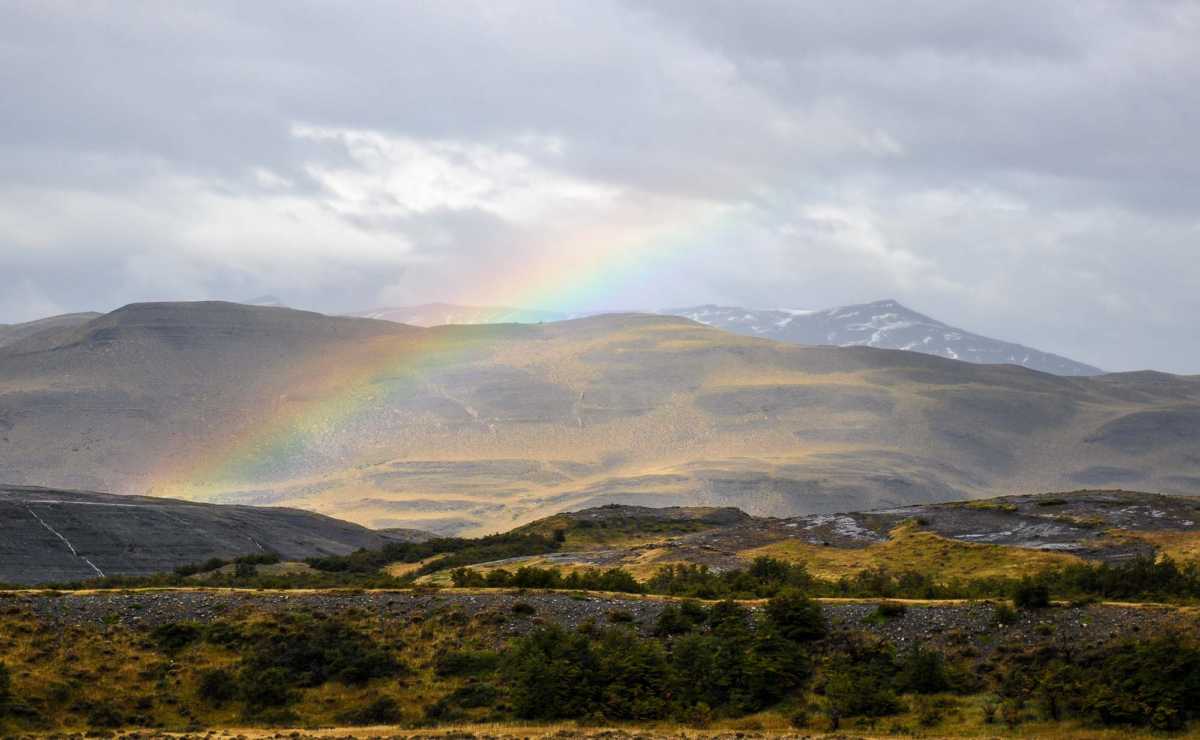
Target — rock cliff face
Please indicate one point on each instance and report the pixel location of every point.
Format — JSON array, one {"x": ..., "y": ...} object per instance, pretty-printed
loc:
[{"x": 51, "y": 535}]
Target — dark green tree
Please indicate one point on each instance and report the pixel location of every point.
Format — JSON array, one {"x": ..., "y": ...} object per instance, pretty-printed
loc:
[
  {"x": 796, "y": 616},
  {"x": 552, "y": 674}
]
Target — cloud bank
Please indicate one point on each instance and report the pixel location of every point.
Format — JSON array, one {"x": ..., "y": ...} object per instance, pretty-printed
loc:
[{"x": 1028, "y": 171}]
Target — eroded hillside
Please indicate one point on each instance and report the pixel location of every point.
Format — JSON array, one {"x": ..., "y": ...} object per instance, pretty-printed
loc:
[{"x": 52, "y": 535}]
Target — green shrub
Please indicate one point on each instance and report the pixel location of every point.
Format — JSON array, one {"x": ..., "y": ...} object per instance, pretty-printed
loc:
[
  {"x": 679, "y": 619},
  {"x": 104, "y": 715},
  {"x": 473, "y": 696},
  {"x": 265, "y": 688},
  {"x": 175, "y": 636},
  {"x": 858, "y": 680},
  {"x": 890, "y": 610},
  {"x": 630, "y": 676},
  {"x": 381, "y": 711},
  {"x": 931, "y": 711},
  {"x": 217, "y": 686},
  {"x": 1154, "y": 683},
  {"x": 620, "y": 616},
  {"x": 311, "y": 652},
  {"x": 923, "y": 672},
  {"x": 466, "y": 662},
  {"x": 1029, "y": 594},
  {"x": 857, "y": 691},
  {"x": 552, "y": 675},
  {"x": 796, "y": 616}
]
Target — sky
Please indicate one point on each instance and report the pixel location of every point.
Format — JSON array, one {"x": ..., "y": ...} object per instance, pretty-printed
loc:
[{"x": 1025, "y": 170}]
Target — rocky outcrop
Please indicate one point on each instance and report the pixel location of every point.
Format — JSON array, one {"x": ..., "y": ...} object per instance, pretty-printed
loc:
[{"x": 49, "y": 535}]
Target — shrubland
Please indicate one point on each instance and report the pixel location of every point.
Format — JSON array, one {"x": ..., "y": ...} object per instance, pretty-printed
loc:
[{"x": 696, "y": 664}]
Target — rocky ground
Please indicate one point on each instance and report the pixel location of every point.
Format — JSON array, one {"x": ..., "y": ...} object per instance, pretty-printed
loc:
[
  {"x": 1108, "y": 526},
  {"x": 49, "y": 535},
  {"x": 1078, "y": 522},
  {"x": 953, "y": 625}
]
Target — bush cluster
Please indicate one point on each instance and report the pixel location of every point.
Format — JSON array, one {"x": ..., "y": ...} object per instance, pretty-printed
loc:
[
  {"x": 248, "y": 561},
  {"x": 1153, "y": 683},
  {"x": 718, "y": 659},
  {"x": 615, "y": 579},
  {"x": 1141, "y": 579},
  {"x": 456, "y": 552},
  {"x": 280, "y": 657}
]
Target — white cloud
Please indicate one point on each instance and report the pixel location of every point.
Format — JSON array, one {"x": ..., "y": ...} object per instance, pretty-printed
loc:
[{"x": 401, "y": 176}]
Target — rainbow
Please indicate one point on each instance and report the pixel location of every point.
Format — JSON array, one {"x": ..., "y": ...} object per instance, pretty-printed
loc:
[{"x": 328, "y": 393}]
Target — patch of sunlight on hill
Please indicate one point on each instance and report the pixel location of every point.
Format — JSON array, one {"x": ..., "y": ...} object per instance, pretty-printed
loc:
[
  {"x": 1179, "y": 546},
  {"x": 910, "y": 548}
]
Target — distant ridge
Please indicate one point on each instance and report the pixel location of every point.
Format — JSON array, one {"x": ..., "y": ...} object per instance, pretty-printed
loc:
[
  {"x": 11, "y": 333},
  {"x": 442, "y": 314},
  {"x": 882, "y": 324},
  {"x": 885, "y": 325}
]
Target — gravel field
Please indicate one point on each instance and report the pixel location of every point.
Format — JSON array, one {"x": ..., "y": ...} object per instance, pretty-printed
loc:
[{"x": 948, "y": 624}]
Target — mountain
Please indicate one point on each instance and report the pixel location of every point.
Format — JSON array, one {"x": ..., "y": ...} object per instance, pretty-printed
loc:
[
  {"x": 882, "y": 324},
  {"x": 10, "y": 333},
  {"x": 439, "y": 314},
  {"x": 53, "y": 535},
  {"x": 486, "y": 427},
  {"x": 264, "y": 300}
]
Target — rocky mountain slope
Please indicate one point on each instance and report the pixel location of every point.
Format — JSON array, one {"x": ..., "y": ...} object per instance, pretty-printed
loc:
[
  {"x": 882, "y": 324},
  {"x": 482, "y": 428},
  {"x": 51, "y": 535}
]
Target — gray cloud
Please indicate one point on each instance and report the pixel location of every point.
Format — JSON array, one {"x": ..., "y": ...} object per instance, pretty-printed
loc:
[{"x": 1026, "y": 170}]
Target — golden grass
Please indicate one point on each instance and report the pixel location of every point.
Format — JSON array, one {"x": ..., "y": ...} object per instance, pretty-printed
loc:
[
  {"x": 287, "y": 568},
  {"x": 1179, "y": 546},
  {"x": 910, "y": 548},
  {"x": 399, "y": 570}
]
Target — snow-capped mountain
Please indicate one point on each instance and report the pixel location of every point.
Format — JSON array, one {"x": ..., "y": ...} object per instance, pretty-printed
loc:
[{"x": 882, "y": 324}]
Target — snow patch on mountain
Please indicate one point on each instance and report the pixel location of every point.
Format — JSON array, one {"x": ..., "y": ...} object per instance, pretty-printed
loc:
[{"x": 884, "y": 325}]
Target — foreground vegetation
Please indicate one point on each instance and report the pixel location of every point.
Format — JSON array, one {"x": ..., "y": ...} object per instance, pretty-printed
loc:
[
  {"x": 707, "y": 657},
  {"x": 705, "y": 665},
  {"x": 1141, "y": 579}
]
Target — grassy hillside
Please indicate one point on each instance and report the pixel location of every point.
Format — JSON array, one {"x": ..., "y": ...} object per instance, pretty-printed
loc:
[{"x": 483, "y": 428}]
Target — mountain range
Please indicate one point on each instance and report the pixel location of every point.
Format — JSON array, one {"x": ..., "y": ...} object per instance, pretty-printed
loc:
[
  {"x": 485, "y": 427},
  {"x": 882, "y": 324}
]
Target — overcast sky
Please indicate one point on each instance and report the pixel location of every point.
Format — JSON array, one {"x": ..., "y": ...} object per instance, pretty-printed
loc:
[{"x": 1029, "y": 171}]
